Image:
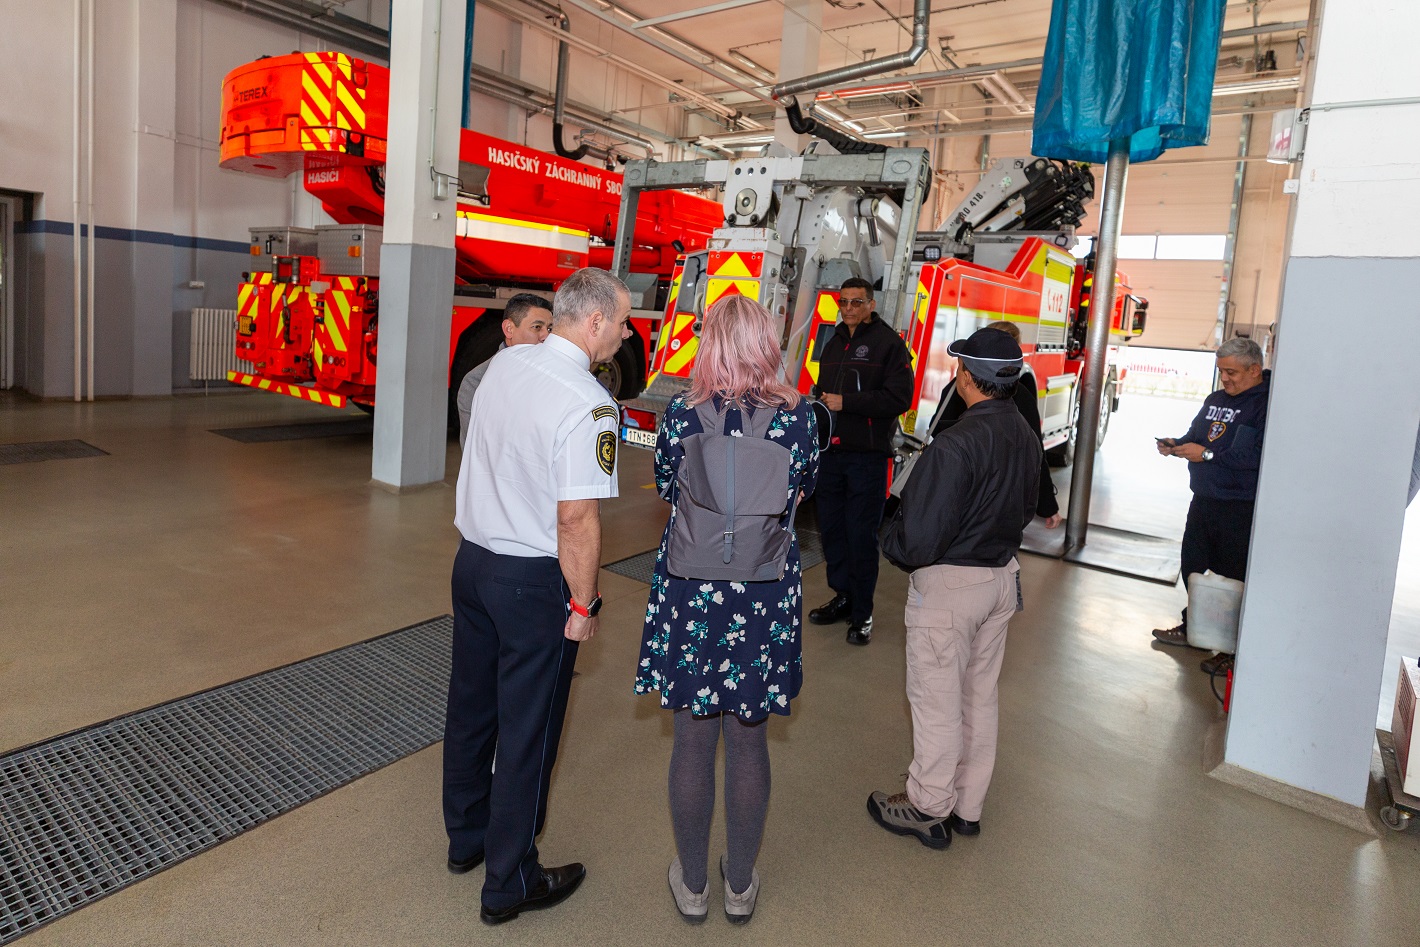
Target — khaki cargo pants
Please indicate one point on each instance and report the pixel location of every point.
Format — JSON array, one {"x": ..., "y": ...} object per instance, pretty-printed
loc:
[{"x": 956, "y": 638}]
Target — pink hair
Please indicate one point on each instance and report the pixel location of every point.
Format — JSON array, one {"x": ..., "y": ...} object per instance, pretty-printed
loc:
[{"x": 739, "y": 357}]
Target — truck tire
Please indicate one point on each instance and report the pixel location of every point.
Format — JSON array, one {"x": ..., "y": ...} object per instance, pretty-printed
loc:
[
  {"x": 476, "y": 346},
  {"x": 624, "y": 375},
  {"x": 1063, "y": 455}
]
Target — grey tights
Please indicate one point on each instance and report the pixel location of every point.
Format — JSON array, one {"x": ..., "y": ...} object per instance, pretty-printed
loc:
[{"x": 692, "y": 791}]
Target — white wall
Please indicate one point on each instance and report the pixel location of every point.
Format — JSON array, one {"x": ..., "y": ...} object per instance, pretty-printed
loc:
[{"x": 1336, "y": 458}]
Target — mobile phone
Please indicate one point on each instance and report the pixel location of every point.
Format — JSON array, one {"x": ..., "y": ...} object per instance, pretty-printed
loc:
[{"x": 1162, "y": 439}]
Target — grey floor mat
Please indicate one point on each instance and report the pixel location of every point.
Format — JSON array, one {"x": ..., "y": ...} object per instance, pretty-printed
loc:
[
  {"x": 85, "y": 814},
  {"x": 36, "y": 451}
]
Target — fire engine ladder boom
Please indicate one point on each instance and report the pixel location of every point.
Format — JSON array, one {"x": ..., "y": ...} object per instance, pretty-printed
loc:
[
  {"x": 1030, "y": 194},
  {"x": 904, "y": 171}
]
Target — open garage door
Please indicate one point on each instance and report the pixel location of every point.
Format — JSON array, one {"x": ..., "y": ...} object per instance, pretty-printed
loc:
[{"x": 1176, "y": 219}]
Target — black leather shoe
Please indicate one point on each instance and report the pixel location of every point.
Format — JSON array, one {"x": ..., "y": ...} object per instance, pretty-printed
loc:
[
  {"x": 860, "y": 632},
  {"x": 463, "y": 866},
  {"x": 556, "y": 886},
  {"x": 831, "y": 612},
  {"x": 961, "y": 826}
]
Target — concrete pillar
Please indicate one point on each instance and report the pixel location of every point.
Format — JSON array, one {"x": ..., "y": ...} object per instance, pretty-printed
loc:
[
  {"x": 417, "y": 263},
  {"x": 1341, "y": 426},
  {"x": 798, "y": 56}
]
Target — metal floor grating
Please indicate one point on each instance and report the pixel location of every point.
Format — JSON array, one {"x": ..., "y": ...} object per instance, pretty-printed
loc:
[
  {"x": 345, "y": 427},
  {"x": 641, "y": 566},
  {"x": 85, "y": 814},
  {"x": 36, "y": 451}
]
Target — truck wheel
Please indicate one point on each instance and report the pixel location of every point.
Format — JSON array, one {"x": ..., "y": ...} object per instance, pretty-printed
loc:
[
  {"x": 476, "y": 346},
  {"x": 623, "y": 375},
  {"x": 1106, "y": 411},
  {"x": 1063, "y": 455}
]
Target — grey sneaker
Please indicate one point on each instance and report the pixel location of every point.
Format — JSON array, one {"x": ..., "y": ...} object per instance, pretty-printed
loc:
[
  {"x": 896, "y": 814},
  {"x": 693, "y": 907},
  {"x": 739, "y": 908}
]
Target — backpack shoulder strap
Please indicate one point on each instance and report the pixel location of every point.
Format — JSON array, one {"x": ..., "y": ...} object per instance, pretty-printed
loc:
[
  {"x": 757, "y": 426},
  {"x": 711, "y": 421}
]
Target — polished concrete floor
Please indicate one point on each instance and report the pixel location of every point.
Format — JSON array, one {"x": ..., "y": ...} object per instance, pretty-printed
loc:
[{"x": 184, "y": 560}]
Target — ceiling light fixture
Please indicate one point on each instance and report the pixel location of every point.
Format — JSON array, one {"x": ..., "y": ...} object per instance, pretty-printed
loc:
[
  {"x": 1257, "y": 85},
  {"x": 760, "y": 72},
  {"x": 879, "y": 136}
]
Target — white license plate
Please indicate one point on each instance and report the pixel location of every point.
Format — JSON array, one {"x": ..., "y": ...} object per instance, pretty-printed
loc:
[{"x": 634, "y": 435}]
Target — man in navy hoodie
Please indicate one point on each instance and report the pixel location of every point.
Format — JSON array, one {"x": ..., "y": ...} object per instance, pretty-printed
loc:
[{"x": 1223, "y": 448}]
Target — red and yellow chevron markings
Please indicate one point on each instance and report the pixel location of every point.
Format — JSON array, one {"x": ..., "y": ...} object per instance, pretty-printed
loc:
[
  {"x": 301, "y": 392},
  {"x": 332, "y": 102}
]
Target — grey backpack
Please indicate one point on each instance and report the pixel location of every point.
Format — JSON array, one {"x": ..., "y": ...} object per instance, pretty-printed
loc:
[{"x": 731, "y": 519}]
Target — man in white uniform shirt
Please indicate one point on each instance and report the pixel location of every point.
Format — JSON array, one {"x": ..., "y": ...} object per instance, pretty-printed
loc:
[{"x": 540, "y": 456}]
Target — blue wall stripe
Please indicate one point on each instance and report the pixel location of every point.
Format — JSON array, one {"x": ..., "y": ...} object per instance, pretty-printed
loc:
[{"x": 65, "y": 228}]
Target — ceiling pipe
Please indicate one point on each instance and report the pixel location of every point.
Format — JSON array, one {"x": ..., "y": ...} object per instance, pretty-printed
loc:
[
  {"x": 699, "y": 99},
  {"x": 710, "y": 68},
  {"x": 636, "y": 22},
  {"x": 921, "y": 14},
  {"x": 497, "y": 86},
  {"x": 559, "y": 101},
  {"x": 313, "y": 19},
  {"x": 940, "y": 76}
]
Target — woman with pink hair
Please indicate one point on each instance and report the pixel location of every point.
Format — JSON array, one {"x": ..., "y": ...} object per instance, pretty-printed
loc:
[{"x": 725, "y": 655}]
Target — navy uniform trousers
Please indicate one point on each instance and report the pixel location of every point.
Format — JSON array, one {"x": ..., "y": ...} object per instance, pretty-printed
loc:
[
  {"x": 1216, "y": 537},
  {"x": 851, "y": 493},
  {"x": 512, "y": 669}
]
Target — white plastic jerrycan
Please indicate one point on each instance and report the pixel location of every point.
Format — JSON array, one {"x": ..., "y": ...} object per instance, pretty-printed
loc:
[{"x": 1214, "y": 605}]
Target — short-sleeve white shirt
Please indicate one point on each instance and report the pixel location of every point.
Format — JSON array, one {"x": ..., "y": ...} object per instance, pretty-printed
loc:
[{"x": 541, "y": 429}]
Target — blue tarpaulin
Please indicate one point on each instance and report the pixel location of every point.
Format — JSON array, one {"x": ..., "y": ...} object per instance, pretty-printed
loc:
[{"x": 1136, "y": 69}]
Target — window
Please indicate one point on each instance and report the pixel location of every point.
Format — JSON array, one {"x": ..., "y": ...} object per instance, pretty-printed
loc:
[
  {"x": 1191, "y": 246},
  {"x": 1132, "y": 247},
  {"x": 1168, "y": 246}
]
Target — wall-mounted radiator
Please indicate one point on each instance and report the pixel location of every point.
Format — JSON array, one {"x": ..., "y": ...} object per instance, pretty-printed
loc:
[{"x": 212, "y": 353}]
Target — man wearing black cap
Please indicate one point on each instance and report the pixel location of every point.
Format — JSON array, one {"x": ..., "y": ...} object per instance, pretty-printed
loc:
[
  {"x": 972, "y": 494},
  {"x": 865, "y": 378}
]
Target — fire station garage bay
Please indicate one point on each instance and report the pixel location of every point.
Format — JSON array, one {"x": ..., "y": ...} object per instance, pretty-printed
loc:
[{"x": 250, "y": 249}]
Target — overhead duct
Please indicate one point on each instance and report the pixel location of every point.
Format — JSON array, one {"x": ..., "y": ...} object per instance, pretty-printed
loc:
[
  {"x": 498, "y": 86},
  {"x": 705, "y": 62},
  {"x": 805, "y": 125},
  {"x": 559, "y": 102},
  {"x": 921, "y": 14},
  {"x": 693, "y": 97}
]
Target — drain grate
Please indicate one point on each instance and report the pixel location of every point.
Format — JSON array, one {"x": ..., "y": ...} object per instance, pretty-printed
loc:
[
  {"x": 87, "y": 813},
  {"x": 36, "y": 451},
  {"x": 348, "y": 427},
  {"x": 642, "y": 565}
]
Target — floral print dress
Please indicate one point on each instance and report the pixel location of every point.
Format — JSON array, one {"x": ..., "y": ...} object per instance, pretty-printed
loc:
[{"x": 720, "y": 646}]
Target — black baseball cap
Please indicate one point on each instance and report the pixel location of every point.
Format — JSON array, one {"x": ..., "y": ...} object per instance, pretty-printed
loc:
[{"x": 990, "y": 354}]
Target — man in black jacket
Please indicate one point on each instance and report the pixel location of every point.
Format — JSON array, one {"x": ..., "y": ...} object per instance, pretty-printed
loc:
[
  {"x": 960, "y": 524},
  {"x": 1223, "y": 448},
  {"x": 1027, "y": 399},
  {"x": 865, "y": 378}
]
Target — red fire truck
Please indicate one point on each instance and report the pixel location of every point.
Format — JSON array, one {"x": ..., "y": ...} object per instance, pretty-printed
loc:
[
  {"x": 797, "y": 227},
  {"x": 308, "y": 311}
]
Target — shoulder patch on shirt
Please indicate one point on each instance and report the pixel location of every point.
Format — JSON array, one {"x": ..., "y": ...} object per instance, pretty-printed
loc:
[
  {"x": 605, "y": 411},
  {"x": 606, "y": 451}
]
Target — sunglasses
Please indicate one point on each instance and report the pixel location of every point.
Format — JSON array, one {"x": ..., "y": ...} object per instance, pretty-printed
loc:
[{"x": 853, "y": 303}]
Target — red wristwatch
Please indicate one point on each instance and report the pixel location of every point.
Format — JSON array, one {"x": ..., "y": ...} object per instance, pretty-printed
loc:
[{"x": 594, "y": 606}]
